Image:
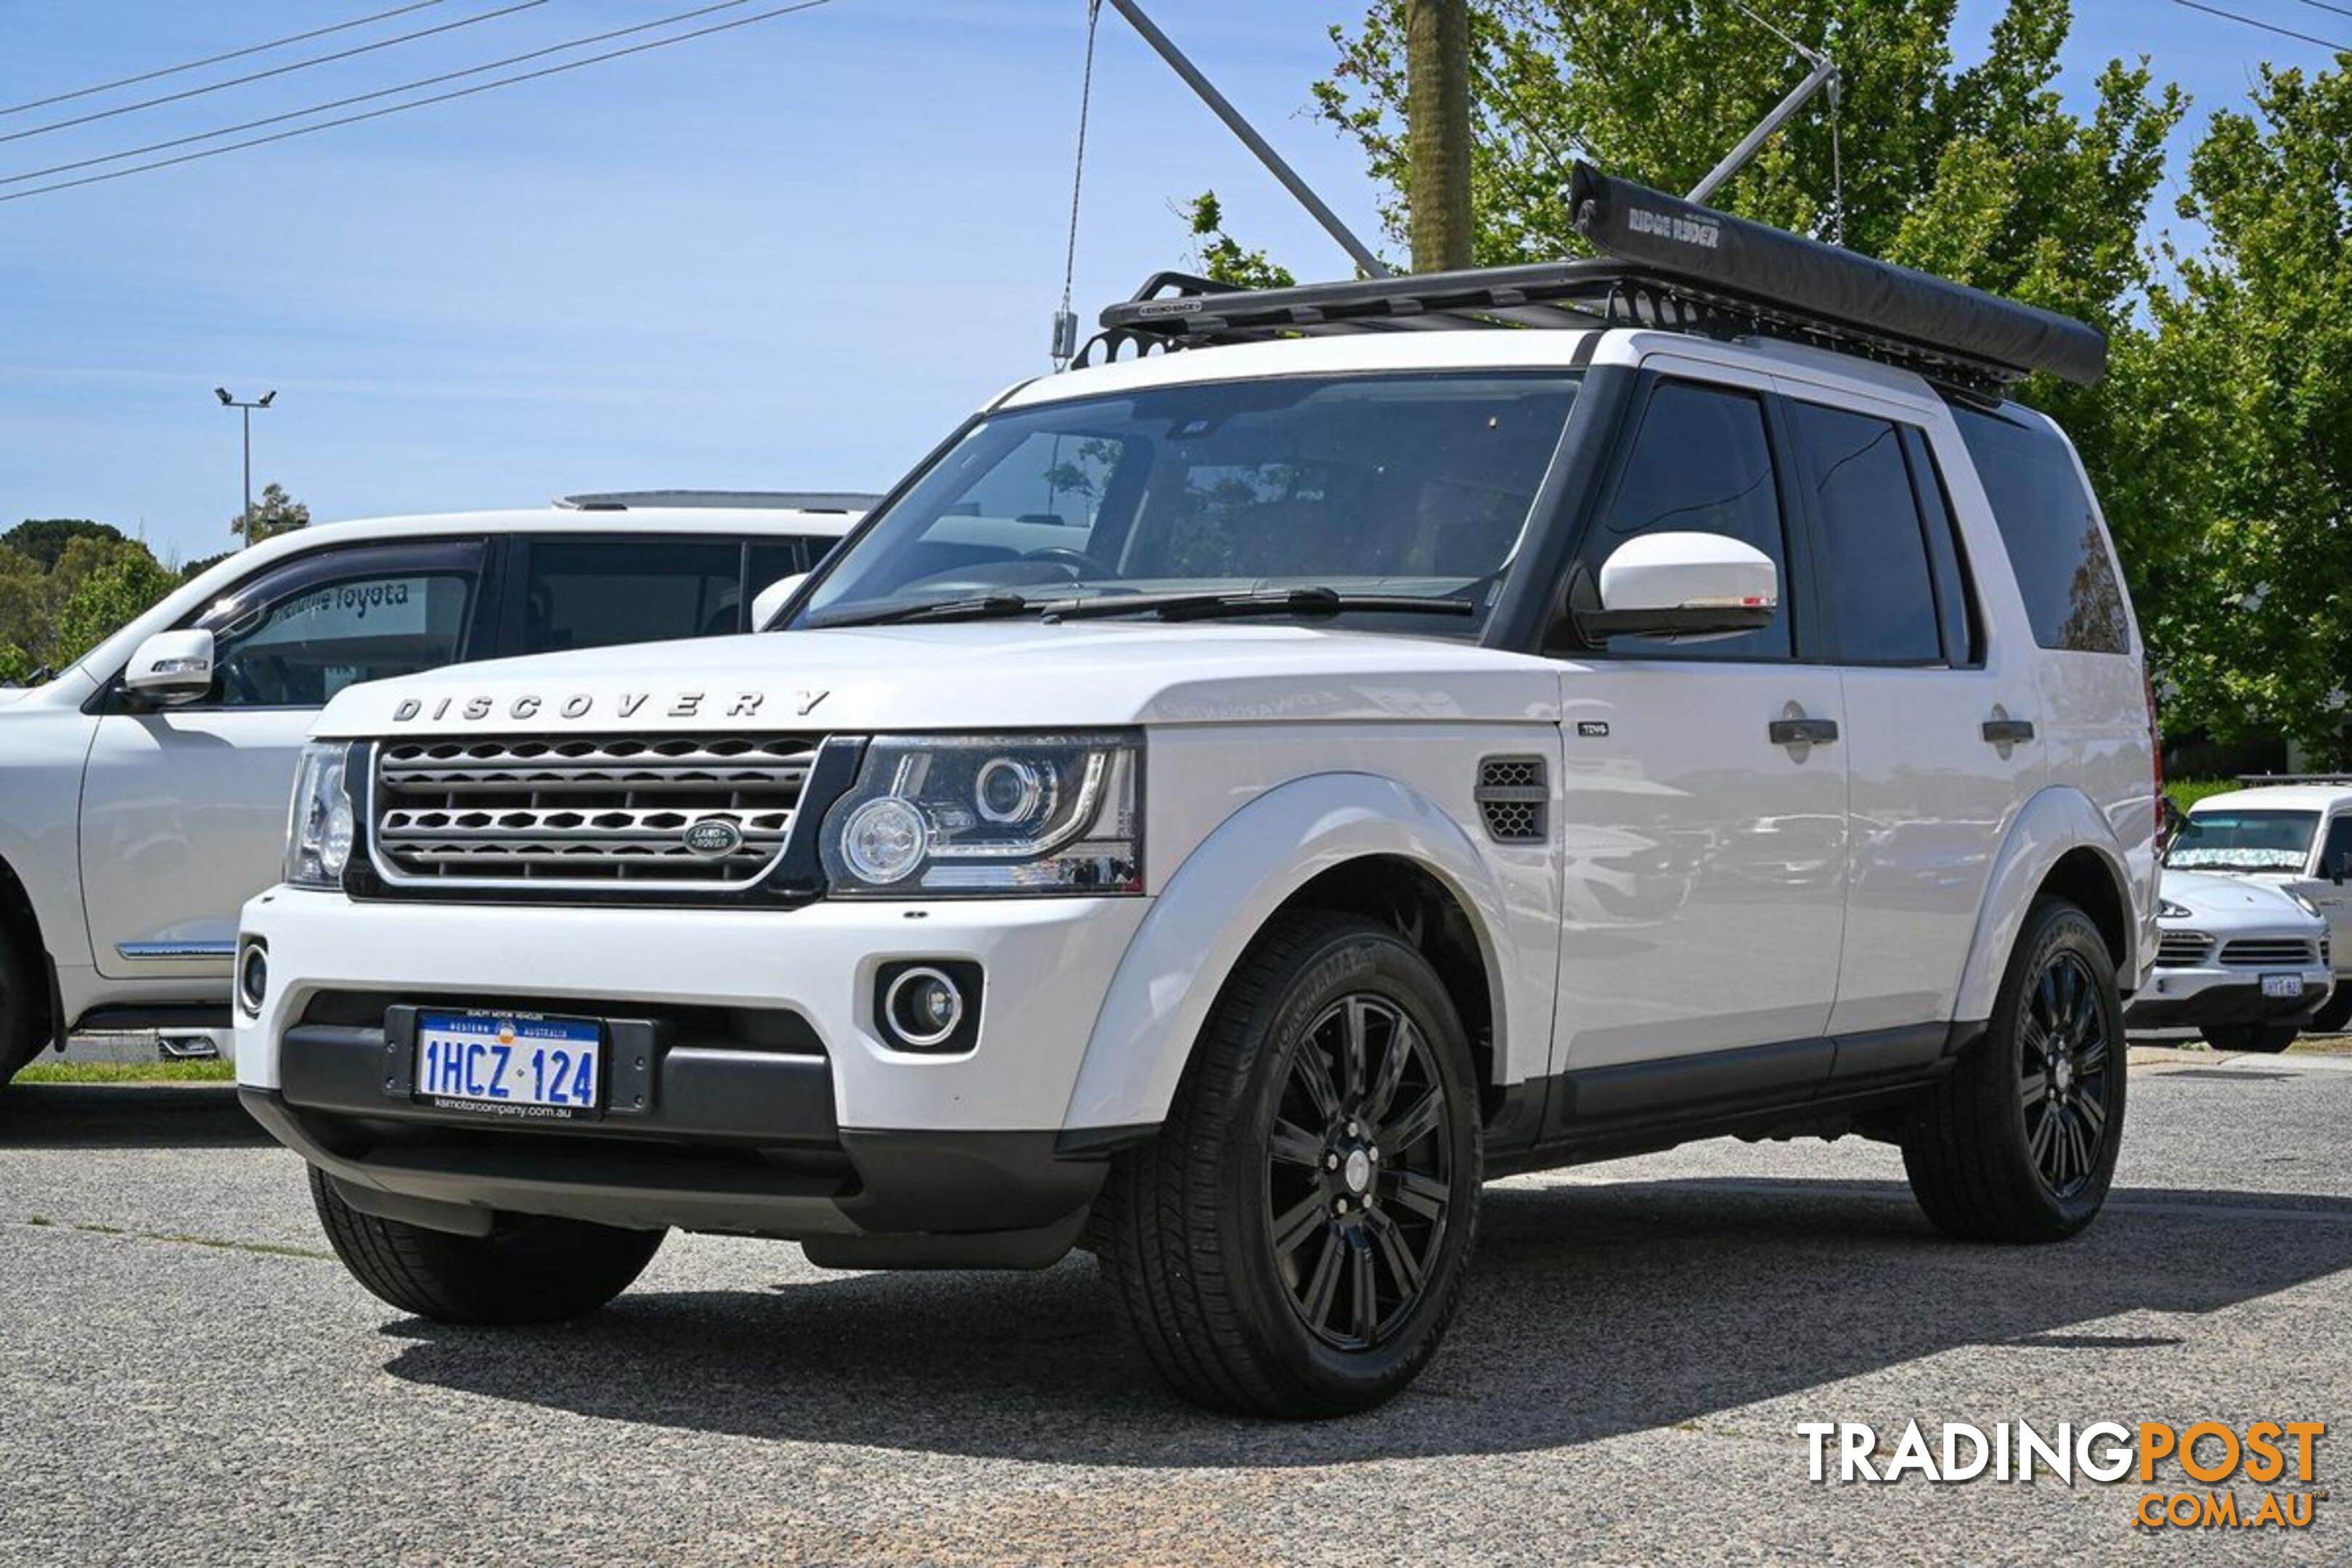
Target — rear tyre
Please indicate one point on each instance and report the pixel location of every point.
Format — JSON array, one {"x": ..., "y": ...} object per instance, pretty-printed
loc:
[
  {"x": 2268, "y": 1038},
  {"x": 2334, "y": 1013},
  {"x": 1294, "y": 1242},
  {"x": 529, "y": 1270},
  {"x": 2018, "y": 1143},
  {"x": 24, "y": 1006}
]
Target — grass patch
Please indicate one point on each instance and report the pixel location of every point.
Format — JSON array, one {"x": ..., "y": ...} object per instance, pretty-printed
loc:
[
  {"x": 2187, "y": 793},
  {"x": 130, "y": 1072}
]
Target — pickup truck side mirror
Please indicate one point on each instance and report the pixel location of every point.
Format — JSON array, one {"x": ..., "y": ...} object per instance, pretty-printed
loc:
[
  {"x": 2339, "y": 866},
  {"x": 1681, "y": 586},
  {"x": 171, "y": 668},
  {"x": 773, "y": 598}
]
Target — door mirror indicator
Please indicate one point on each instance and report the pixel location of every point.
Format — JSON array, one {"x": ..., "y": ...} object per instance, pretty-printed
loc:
[
  {"x": 773, "y": 598},
  {"x": 171, "y": 668},
  {"x": 1681, "y": 586}
]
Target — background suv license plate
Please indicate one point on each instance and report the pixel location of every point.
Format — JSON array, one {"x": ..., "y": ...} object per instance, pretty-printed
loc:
[
  {"x": 2282, "y": 984},
  {"x": 510, "y": 1064}
]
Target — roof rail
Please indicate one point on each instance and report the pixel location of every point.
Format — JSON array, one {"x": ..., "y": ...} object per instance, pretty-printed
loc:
[
  {"x": 1664, "y": 262},
  {"x": 780, "y": 500},
  {"x": 2257, "y": 780}
]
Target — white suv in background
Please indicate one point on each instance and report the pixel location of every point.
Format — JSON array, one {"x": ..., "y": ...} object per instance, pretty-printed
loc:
[
  {"x": 2295, "y": 835},
  {"x": 142, "y": 790},
  {"x": 1229, "y": 803}
]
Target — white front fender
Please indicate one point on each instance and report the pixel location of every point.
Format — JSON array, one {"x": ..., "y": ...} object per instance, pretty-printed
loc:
[{"x": 1227, "y": 888}]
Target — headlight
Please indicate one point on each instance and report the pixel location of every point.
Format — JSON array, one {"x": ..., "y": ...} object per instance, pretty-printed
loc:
[
  {"x": 2308, "y": 907},
  {"x": 319, "y": 830},
  {"x": 982, "y": 814},
  {"x": 2166, "y": 909}
]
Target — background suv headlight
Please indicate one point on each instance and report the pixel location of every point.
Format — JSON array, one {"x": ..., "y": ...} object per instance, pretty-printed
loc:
[
  {"x": 990, "y": 813},
  {"x": 319, "y": 830}
]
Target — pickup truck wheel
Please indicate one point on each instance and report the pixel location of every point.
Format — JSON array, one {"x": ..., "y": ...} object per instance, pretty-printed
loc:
[
  {"x": 2018, "y": 1143},
  {"x": 21, "y": 1006},
  {"x": 528, "y": 1269},
  {"x": 1294, "y": 1242},
  {"x": 2268, "y": 1038}
]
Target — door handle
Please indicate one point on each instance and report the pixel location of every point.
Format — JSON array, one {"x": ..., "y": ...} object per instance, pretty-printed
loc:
[
  {"x": 2008, "y": 731},
  {"x": 1802, "y": 731}
]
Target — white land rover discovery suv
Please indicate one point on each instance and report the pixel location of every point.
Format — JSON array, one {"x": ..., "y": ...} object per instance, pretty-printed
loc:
[
  {"x": 1227, "y": 803},
  {"x": 142, "y": 790}
]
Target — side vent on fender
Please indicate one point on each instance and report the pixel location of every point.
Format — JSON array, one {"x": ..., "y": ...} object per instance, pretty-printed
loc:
[{"x": 1511, "y": 796}]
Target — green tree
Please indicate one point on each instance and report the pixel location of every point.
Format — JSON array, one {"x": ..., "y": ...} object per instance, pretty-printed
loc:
[
  {"x": 23, "y": 614},
  {"x": 275, "y": 514},
  {"x": 105, "y": 596},
  {"x": 2238, "y": 456},
  {"x": 43, "y": 539}
]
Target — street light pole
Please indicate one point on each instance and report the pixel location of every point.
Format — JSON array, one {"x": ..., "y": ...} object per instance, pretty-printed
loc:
[{"x": 245, "y": 529}]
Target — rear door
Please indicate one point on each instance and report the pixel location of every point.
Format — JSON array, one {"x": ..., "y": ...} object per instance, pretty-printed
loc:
[
  {"x": 1705, "y": 851},
  {"x": 597, "y": 591},
  {"x": 1940, "y": 749},
  {"x": 184, "y": 808}
]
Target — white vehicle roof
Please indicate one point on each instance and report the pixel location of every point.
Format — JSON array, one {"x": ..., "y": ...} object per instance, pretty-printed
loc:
[{"x": 2277, "y": 797}]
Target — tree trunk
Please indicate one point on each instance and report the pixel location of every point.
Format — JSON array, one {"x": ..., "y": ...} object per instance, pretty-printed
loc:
[{"x": 1437, "y": 131}]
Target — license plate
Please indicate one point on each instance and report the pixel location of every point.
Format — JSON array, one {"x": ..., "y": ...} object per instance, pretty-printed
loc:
[
  {"x": 510, "y": 1064},
  {"x": 2282, "y": 984}
]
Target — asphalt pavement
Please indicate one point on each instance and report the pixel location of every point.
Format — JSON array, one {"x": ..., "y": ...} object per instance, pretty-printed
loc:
[{"x": 185, "y": 1376}]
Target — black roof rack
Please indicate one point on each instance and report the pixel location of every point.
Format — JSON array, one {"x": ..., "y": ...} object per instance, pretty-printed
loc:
[
  {"x": 2260, "y": 779},
  {"x": 696, "y": 500},
  {"x": 1664, "y": 262}
]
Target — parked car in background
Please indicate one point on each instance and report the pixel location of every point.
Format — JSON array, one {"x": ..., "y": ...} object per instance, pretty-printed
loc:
[
  {"x": 2245, "y": 964},
  {"x": 142, "y": 791},
  {"x": 2295, "y": 835}
]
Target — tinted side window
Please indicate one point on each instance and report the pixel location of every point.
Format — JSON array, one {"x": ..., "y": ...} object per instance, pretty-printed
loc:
[
  {"x": 1702, "y": 464},
  {"x": 597, "y": 594},
  {"x": 1947, "y": 552},
  {"x": 2052, "y": 533},
  {"x": 300, "y": 650},
  {"x": 2336, "y": 859},
  {"x": 1876, "y": 590}
]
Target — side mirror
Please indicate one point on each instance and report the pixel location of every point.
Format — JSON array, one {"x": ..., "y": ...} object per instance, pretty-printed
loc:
[
  {"x": 171, "y": 668},
  {"x": 773, "y": 598},
  {"x": 1682, "y": 585},
  {"x": 2336, "y": 872}
]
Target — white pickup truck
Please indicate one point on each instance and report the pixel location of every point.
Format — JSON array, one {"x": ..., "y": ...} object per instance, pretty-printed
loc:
[
  {"x": 2295, "y": 834},
  {"x": 142, "y": 791}
]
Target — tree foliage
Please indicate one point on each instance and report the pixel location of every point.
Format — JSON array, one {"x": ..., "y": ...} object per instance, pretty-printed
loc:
[
  {"x": 111, "y": 589},
  {"x": 43, "y": 539},
  {"x": 275, "y": 514},
  {"x": 96, "y": 581}
]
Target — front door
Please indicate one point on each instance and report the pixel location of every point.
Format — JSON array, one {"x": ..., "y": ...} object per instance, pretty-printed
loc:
[
  {"x": 184, "y": 808},
  {"x": 1703, "y": 806}
]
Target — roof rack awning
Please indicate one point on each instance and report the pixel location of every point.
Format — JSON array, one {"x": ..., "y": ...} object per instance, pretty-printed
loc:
[{"x": 1665, "y": 263}]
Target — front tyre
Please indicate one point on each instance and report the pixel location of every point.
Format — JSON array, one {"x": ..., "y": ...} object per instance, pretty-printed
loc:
[
  {"x": 528, "y": 1269},
  {"x": 2018, "y": 1143},
  {"x": 1294, "y": 1242},
  {"x": 23, "y": 1004}
]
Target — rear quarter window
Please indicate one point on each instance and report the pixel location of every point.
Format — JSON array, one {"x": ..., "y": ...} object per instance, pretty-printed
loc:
[{"x": 2052, "y": 532}]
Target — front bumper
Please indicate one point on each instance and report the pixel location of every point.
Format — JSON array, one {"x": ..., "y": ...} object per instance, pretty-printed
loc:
[
  {"x": 749, "y": 1089},
  {"x": 2212, "y": 995}
]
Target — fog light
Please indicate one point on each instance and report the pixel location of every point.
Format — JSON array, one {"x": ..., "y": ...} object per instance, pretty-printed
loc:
[
  {"x": 923, "y": 1006},
  {"x": 253, "y": 978}
]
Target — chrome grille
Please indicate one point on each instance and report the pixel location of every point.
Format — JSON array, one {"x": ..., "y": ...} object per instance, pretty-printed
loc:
[
  {"x": 2182, "y": 949},
  {"x": 2255, "y": 951},
  {"x": 601, "y": 809}
]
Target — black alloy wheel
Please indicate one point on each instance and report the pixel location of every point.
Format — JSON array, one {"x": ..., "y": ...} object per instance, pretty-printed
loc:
[
  {"x": 2064, "y": 1077},
  {"x": 1359, "y": 1169}
]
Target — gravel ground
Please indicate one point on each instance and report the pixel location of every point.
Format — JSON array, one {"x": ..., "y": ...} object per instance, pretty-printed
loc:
[{"x": 184, "y": 1377}]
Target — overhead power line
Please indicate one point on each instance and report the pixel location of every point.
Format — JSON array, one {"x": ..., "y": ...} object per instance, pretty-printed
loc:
[
  {"x": 274, "y": 70},
  {"x": 216, "y": 60},
  {"x": 421, "y": 103},
  {"x": 370, "y": 97},
  {"x": 2323, "y": 5},
  {"x": 2254, "y": 22}
]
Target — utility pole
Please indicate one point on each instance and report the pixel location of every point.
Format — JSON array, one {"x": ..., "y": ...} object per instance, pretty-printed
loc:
[
  {"x": 245, "y": 532},
  {"x": 1437, "y": 131}
]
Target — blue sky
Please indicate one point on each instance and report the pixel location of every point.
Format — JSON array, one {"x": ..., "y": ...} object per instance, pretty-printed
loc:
[{"x": 789, "y": 256}]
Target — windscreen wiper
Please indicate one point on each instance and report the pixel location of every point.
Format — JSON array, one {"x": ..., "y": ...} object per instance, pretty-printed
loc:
[
  {"x": 1192, "y": 606},
  {"x": 1253, "y": 601}
]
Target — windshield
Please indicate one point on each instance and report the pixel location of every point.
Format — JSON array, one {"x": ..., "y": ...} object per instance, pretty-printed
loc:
[
  {"x": 1398, "y": 486},
  {"x": 2244, "y": 841}
]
